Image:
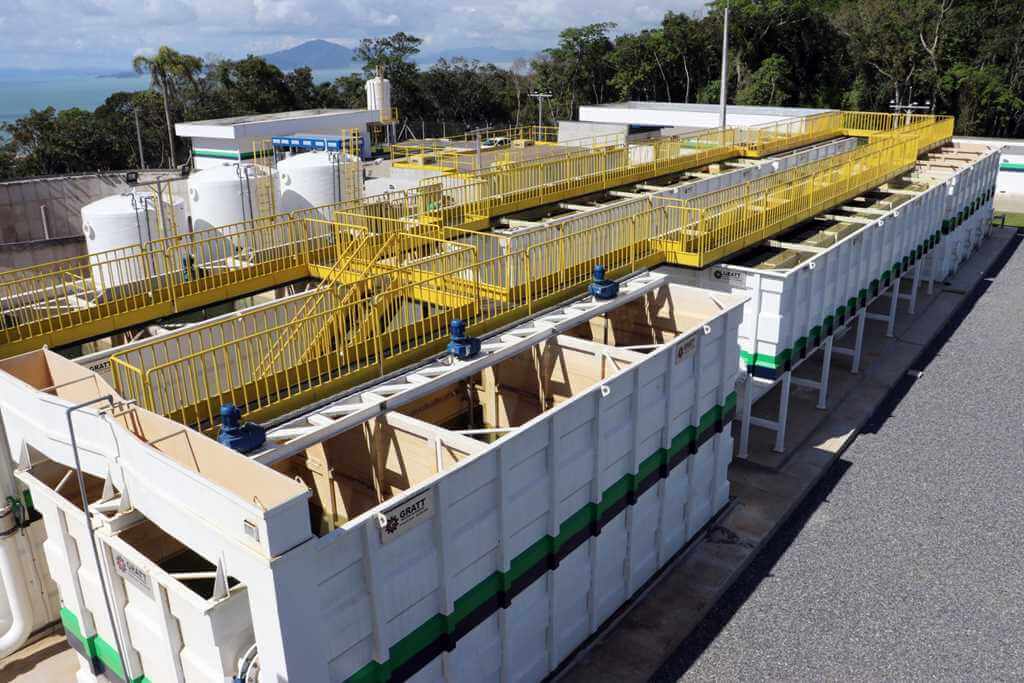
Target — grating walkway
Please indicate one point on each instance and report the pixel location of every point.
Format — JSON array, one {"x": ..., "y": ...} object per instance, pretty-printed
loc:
[{"x": 905, "y": 562}]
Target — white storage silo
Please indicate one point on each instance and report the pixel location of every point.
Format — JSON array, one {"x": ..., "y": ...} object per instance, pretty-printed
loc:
[
  {"x": 226, "y": 196},
  {"x": 317, "y": 179},
  {"x": 120, "y": 222},
  {"x": 378, "y": 95}
]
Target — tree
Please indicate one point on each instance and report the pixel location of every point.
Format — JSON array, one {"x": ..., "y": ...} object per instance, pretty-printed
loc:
[
  {"x": 391, "y": 56},
  {"x": 577, "y": 70},
  {"x": 388, "y": 54},
  {"x": 771, "y": 84},
  {"x": 885, "y": 38},
  {"x": 350, "y": 90},
  {"x": 851, "y": 54},
  {"x": 633, "y": 67},
  {"x": 693, "y": 47},
  {"x": 166, "y": 68},
  {"x": 48, "y": 142},
  {"x": 253, "y": 86}
]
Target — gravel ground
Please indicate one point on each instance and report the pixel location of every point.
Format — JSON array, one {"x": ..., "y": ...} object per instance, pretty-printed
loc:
[{"x": 906, "y": 562}]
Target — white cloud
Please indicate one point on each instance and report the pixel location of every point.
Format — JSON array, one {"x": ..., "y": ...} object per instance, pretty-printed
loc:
[
  {"x": 106, "y": 33},
  {"x": 168, "y": 12}
]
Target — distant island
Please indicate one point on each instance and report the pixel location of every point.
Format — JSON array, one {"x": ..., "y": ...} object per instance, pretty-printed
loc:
[
  {"x": 494, "y": 55},
  {"x": 316, "y": 54},
  {"x": 323, "y": 54}
]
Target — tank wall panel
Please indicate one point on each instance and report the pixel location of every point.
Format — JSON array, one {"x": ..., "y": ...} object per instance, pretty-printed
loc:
[
  {"x": 794, "y": 310},
  {"x": 535, "y": 499}
]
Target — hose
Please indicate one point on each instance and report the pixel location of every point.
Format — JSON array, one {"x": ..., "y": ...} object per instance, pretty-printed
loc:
[
  {"x": 14, "y": 584},
  {"x": 248, "y": 666}
]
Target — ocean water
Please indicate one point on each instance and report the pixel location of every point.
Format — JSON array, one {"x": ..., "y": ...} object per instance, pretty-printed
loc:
[{"x": 18, "y": 97}]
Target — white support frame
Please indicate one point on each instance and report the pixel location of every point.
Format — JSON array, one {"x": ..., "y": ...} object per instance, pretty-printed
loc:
[{"x": 827, "y": 348}]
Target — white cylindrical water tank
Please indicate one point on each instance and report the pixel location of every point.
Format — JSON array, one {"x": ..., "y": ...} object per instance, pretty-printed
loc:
[
  {"x": 224, "y": 196},
  {"x": 378, "y": 96},
  {"x": 122, "y": 221},
  {"x": 317, "y": 179}
]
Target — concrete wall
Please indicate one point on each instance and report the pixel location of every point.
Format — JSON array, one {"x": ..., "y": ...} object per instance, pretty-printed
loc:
[
  {"x": 581, "y": 132},
  {"x": 63, "y": 197},
  {"x": 1010, "y": 184},
  {"x": 23, "y": 254},
  {"x": 24, "y": 242}
]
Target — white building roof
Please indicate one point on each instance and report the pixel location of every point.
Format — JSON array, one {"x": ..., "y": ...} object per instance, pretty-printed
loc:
[
  {"x": 281, "y": 123},
  {"x": 687, "y": 115}
]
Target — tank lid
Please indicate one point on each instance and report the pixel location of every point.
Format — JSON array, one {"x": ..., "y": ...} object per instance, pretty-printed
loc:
[
  {"x": 226, "y": 171},
  {"x": 304, "y": 159},
  {"x": 119, "y": 203}
]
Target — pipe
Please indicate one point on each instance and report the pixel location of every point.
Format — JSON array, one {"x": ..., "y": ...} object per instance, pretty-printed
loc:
[
  {"x": 10, "y": 565},
  {"x": 14, "y": 585},
  {"x": 120, "y": 651},
  {"x": 248, "y": 666}
]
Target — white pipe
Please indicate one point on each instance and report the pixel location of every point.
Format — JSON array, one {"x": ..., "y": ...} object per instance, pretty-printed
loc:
[
  {"x": 14, "y": 586},
  {"x": 11, "y": 575}
]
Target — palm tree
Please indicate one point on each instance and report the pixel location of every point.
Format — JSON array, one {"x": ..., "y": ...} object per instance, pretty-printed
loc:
[{"x": 166, "y": 68}]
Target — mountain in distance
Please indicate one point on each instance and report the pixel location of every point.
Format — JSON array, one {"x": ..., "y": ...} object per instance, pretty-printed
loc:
[
  {"x": 493, "y": 55},
  {"x": 323, "y": 54},
  {"x": 316, "y": 54}
]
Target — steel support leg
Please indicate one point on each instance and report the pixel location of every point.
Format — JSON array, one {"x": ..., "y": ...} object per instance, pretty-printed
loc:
[
  {"x": 858, "y": 344},
  {"x": 826, "y": 365},
  {"x": 748, "y": 402},
  {"x": 894, "y": 300},
  {"x": 780, "y": 434},
  {"x": 915, "y": 283},
  {"x": 84, "y": 673}
]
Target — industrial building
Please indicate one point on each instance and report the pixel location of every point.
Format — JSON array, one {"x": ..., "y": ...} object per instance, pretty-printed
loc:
[
  {"x": 231, "y": 139},
  {"x": 443, "y": 431}
]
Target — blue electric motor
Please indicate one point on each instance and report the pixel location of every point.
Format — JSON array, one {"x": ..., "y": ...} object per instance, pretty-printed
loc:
[
  {"x": 243, "y": 437},
  {"x": 462, "y": 346},
  {"x": 601, "y": 288}
]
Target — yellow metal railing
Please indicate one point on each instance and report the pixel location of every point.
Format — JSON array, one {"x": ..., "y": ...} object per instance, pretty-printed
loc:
[
  {"x": 390, "y": 324},
  {"x": 466, "y": 143},
  {"x": 478, "y": 151},
  {"x": 714, "y": 225},
  {"x": 374, "y": 334},
  {"x": 931, "y": 129},
  {"x": 66, "y": 301},
  {"x": 769, "y": 138},
  {"x": 523, "y": 185}
]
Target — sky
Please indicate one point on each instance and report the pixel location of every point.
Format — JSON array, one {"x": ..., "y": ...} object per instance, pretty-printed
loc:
[{"x": 60, "y": 34}]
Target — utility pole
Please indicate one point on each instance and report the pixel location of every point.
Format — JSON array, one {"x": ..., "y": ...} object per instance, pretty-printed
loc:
[
  {"x": 724, "y": 87},
  {"x": 908, "y": 109},
  {"x": 540, "y": 97},
  {"x": 138, "y": 137}
]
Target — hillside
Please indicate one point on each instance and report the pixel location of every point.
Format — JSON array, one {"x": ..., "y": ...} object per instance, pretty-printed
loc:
[
  {"x": 493, "y": 55},
  {"x": 316, "y": 54}
]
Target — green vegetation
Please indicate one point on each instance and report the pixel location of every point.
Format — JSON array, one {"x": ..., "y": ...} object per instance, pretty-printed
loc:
[{"x": 965, "y": 57}]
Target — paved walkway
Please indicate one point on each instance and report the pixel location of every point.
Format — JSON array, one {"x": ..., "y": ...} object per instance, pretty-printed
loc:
[{"x": 905, "y": 562}]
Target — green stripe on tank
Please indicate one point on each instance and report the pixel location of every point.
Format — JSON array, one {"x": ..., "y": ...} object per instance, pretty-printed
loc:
[
  {"x": 779, "y": 360},
  {"x": 95, "y": 647},
  {"x": 586, "y": 519},
  {"x": 222, "y": 154}
]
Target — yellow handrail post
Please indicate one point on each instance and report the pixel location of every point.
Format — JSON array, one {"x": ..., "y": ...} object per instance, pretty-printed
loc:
[
  {"x": 529, "y": 279},
  {"x": 148, "y": 401},
  {"x": 378, "y": 346},
  {"x": 186, "y": 267},
  {"x": 632, "y": 243}
]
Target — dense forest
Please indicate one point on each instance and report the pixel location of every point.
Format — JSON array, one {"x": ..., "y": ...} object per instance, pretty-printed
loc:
[{"x": 960, "y": 57}]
